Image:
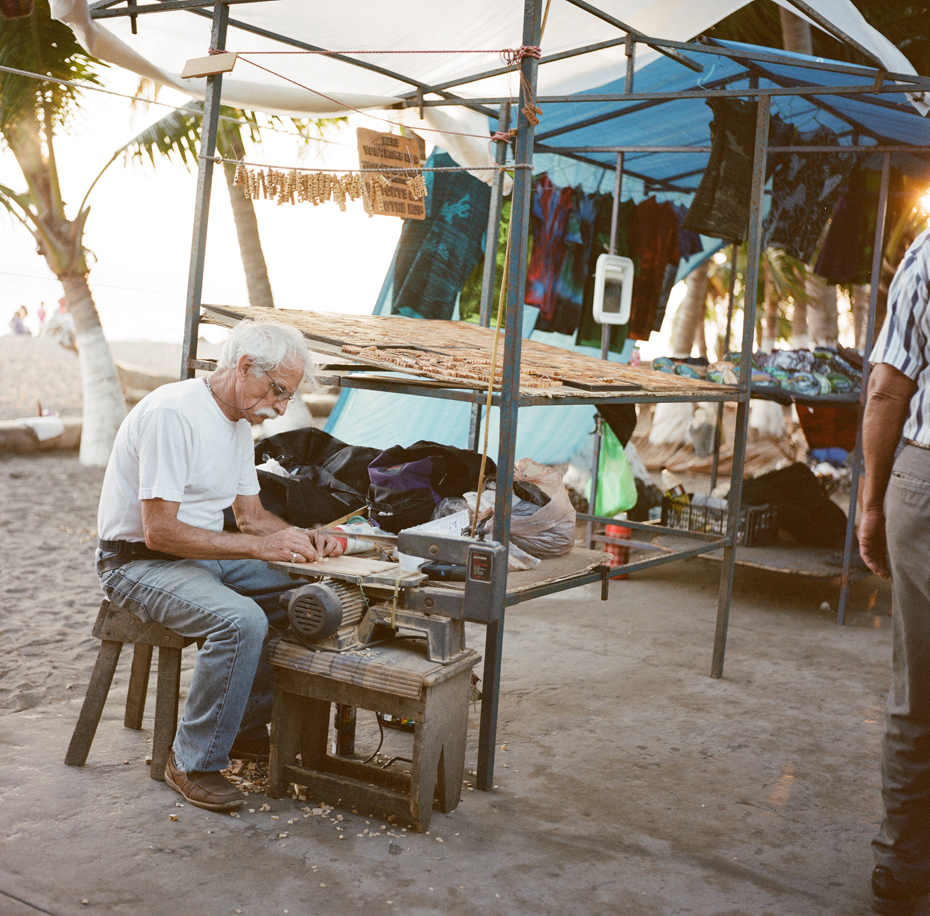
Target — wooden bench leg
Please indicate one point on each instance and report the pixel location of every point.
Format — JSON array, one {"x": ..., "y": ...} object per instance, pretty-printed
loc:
[
  {"x": 451, "y": 769},
  {"x": 94, "y": 700},
  {"x": 167, "y": 695},
  {"x": 299, "y": 725},
  {"x": 439, "y": 750},
  {"x": 138, "y": 685}
]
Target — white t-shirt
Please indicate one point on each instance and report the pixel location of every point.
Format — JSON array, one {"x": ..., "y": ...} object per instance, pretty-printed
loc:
[{"x": 176, "y": 444}]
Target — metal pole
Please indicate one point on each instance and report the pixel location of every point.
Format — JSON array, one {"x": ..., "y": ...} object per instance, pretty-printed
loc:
[
  {"x": 211, "y": 117},
  {"x": 731, "y": 298},
  {"x": 605, "y": 345},
  {"x": 510, "y": 383},
  {"x": 630, "y": 51},
  {"x": 742, "y": 410},
  {"x": 489, "y": 271},
  {"x": 875, "y": 280}
]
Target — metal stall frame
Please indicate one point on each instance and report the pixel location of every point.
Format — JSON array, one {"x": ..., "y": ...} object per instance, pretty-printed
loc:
[{"x": 509, "y": 399}]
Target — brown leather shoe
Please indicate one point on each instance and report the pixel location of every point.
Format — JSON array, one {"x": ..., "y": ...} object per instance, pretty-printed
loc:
[{"x": 212, "y": 791}]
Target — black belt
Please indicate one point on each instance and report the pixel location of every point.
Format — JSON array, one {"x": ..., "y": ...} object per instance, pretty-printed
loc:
[{"x": 127, "y": 551}]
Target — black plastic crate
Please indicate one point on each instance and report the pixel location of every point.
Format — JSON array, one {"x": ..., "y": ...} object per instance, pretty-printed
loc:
[{"x": 757, "y": 525}]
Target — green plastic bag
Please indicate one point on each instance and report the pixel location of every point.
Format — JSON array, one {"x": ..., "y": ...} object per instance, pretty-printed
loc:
[{"x": 616, "y": 486}]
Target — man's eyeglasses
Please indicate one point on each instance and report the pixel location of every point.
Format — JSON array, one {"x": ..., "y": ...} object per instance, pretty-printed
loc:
[{"x": 280, "y": 393}]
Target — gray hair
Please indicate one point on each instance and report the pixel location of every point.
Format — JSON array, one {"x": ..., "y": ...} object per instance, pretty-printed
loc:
[{"x": 269, "y": 345}]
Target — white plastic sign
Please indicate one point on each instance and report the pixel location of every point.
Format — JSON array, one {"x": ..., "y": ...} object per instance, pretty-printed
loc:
[{"x": 613, "y": 289}]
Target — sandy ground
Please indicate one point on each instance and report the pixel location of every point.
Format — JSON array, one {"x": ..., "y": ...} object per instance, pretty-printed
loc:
[
  {"x": 48, "y": 534},
  {"x": 627, "y": 781},
  {"x": 48, "y": 525},
  {"x": 36, "y": 371}
]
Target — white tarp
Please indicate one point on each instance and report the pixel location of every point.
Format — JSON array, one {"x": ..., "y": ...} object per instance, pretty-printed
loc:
[{"x": 459, "y": 40}]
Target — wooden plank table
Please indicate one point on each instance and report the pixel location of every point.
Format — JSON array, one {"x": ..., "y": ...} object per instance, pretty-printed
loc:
[
  {"x": 811, "y": 562},
  {"x": 458, "y": 355}
]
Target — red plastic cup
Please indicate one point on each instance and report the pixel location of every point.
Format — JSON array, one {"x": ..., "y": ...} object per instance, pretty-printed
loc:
[{"x": 619, "y": 553}]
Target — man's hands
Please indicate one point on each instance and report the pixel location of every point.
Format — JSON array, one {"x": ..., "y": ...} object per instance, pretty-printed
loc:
[
  {"x": 872, "y": 544},
  {"x": 299, "y": 545},
  {"x": 262, "y": 536}
]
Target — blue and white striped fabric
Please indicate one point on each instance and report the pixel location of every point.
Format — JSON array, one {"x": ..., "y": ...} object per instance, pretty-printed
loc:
[{"x": 904, "y": 342}]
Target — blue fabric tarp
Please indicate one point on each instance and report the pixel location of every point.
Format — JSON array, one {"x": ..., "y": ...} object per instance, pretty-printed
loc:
[{"x": 553, "y": 434}]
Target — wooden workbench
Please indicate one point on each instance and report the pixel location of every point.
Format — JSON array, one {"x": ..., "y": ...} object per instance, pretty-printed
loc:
[{"x": 456, "y": 354}]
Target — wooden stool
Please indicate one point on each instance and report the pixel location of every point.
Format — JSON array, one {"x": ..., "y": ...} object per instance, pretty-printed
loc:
[
  {"x": 116, "y": 626},
  {"x": 397, "y": 679}
]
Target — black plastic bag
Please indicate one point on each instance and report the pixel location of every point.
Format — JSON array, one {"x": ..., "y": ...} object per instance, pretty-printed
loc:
[
  {"x": 805, "y": 511},
  {"x": 328, "y": 478},
  {"x": 406, "y": 484}
]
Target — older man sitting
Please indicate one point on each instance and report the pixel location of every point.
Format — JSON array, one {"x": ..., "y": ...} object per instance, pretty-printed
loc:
[{"x": 182, "y": 456}]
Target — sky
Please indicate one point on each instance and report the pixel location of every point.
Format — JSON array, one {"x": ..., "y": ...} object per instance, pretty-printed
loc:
[
  {"x": 140, "y": 229},
  {"x": 141, "y": 222}
]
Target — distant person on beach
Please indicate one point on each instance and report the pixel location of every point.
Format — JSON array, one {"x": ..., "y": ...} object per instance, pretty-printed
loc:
[
  {"x": 18, "y": 322},
  {"x": 41, "y": 314},
  {"x": 182, "y": 456},
  {"x": 894, "y": 540},
  {"x": 61, "y": 326}
]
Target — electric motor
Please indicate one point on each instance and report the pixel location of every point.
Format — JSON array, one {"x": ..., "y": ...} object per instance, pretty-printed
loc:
[{"x": 319, "y": 609}]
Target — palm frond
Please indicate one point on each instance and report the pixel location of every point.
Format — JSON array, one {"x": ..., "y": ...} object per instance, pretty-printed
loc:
[
  {"x": 38, "y": 44},
  {"x": 176, "y": 134},
  {"x": 788, "y": 273},
  {"x": 23, "y": 202}
]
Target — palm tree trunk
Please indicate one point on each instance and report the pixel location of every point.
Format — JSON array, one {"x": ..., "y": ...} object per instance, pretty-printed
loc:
[
  {"x": 250, "y": 243},
  {"x": 104, "y": 403},
  {"x": 770, "y": 316},
  {"x": 800, "y": 338},
  {"x": 257, "y": 280},
  {"x": 700, "y": 339},
  {"x": 795, "y": 33},
  {"x": 860, "y": 310},
  {"x": 691, "y": 312},
  {"x": 823, "y": 317},
  {"x": 825, "y": 330}
]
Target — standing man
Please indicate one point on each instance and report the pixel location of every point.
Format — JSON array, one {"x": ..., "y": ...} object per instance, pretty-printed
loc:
[
  {"x": 182, "y": 456},
  {"x": 894, "y": 540}
]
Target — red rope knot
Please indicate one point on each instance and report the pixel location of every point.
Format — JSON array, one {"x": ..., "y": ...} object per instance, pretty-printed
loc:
[
  {"x": 504, "y": 136},
  {"x": 513, "y": 56}
]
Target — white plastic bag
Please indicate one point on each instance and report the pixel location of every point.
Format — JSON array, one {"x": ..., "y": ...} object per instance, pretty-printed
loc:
[
  {"x": 465, "y": 507},
  {"x": 549, "y": 530}
]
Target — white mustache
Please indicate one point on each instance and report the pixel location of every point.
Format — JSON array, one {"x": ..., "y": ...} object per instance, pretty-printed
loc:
[{"x": 268, "y": 413}]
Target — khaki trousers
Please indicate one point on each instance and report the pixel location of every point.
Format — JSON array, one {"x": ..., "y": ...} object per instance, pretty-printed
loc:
[{"x": 903, "y": 841}]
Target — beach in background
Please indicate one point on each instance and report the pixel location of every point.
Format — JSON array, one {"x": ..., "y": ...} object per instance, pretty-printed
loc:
[{"x": 39, "y": 371}]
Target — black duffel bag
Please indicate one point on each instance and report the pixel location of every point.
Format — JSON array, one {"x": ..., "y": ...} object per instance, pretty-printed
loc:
[
  {"x": 407, "y": 483},
  {"x": 328, "y": 478}
]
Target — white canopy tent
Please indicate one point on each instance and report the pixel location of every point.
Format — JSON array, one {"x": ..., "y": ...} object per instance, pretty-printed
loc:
[{"x": 432, "y": 46}]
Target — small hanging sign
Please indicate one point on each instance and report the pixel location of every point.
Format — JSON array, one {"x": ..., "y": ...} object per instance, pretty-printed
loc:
[{"x": 393, "y": 193}]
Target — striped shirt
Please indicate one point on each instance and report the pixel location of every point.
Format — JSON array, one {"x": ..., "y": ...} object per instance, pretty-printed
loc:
[{"x": 904, "y": 341}]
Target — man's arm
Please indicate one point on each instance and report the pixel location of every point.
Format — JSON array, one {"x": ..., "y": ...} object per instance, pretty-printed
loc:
[
  {"x": 253, "y": 518},
  {"x": 266, "y": 537},
  {"x": 889, "y": 396}
]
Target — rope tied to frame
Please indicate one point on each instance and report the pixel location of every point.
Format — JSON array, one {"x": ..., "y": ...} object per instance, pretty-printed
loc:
[
  {"x": 531, "y": 111},
  {"x": 504, "y": 136},
  {"x": 491, "y": 376},
  {"x": 514, "y": 56}
]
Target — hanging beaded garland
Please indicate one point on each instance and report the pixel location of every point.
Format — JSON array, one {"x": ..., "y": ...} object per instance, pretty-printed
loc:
[{"x": 291, "y": 186}]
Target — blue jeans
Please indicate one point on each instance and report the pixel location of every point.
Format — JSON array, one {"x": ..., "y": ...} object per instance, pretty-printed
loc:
[
  {"x": 228, "y": 604},
  {"x": 903, "y": 842}
]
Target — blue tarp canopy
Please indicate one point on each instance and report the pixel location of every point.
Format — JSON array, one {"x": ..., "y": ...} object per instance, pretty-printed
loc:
[
  {"x": 863, "y": 119},
  {"x": 564, "y": 137}
]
